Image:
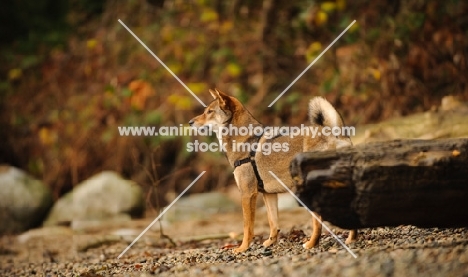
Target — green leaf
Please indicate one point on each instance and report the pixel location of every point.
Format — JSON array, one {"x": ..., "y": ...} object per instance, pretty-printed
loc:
[
  {"x": 153, "y": 117},
  {"x": 126, "y": 92}
]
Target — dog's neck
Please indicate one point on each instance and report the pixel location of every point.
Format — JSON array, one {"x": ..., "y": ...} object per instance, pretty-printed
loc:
[{"x": 230, "y": 140}]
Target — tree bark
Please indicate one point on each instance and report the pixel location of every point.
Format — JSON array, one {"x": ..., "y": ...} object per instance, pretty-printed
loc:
[{"x": 418, "y": 182}]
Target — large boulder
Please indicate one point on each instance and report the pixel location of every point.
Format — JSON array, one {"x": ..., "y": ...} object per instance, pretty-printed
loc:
[
  {"x": 199, "y": 206},
  {"x": 24, "y": 201},
  {"x": 446, "y": 121},
  {"x": 105, "y": 196}
]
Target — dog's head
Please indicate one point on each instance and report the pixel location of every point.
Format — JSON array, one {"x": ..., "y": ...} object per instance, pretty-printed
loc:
[{"x": 218, "y": 113}]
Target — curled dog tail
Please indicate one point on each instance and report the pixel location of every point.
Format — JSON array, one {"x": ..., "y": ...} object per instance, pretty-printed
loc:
[{"x": 322, "y": 113}]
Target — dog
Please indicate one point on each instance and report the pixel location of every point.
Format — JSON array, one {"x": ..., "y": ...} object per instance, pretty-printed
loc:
[{"x": 251, "y": 168}]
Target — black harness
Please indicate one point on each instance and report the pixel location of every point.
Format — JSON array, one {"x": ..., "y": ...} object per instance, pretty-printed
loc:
[{"x": 251, "y": 160}]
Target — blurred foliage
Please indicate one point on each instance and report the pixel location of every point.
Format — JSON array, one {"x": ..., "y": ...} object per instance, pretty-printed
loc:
[{"x": 71, "y": 74}]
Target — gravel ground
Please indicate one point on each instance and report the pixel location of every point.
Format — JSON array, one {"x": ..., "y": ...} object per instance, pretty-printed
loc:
[{"x": 399, "y": 251}]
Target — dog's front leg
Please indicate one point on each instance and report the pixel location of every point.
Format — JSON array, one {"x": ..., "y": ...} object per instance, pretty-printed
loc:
[
  {"x": 249, "y": 201},
  {"x": 271, "y": 204}
]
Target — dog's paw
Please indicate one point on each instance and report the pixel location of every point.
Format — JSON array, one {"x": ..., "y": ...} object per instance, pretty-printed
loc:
[
  {"x": 352, "y": 237},
  {"x": 309, "y": 244},
  {"x": 270, "y": 241},
  {"x": 350, "y": 240},
  {"x": 240, "y": 249}
]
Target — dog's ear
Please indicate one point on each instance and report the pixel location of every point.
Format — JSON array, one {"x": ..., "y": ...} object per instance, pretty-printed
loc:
[
  {"x": 221, "y": 96},
  {"x": 220, "y": 93},
  {"x": 215, "y": 94}
]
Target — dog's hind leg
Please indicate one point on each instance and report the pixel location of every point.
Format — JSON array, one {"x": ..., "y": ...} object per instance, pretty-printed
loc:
[
  {"x": 271, "y": 204},
  {"x": 352, "y": 236},
  {"x": 316, "y": 232}
]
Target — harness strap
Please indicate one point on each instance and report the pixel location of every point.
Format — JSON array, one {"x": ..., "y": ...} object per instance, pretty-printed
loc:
[
  {"x": 241, "y": 162},
  {"x": 251, "y": 159}
]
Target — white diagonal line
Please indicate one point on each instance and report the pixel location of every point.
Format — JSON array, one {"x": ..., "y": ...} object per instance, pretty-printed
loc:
[
  {"x": 310, "y": 65},
  {"x": 316, "y": 217},
  {"x": 161, "y": 214},
  {"x": 161, "y": 62}
]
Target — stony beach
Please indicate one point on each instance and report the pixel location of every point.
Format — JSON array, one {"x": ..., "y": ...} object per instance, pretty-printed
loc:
[{"x": 186, "y": 250}]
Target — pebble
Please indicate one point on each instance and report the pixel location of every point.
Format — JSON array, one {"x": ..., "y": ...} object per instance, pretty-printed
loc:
[{"x": 267, "y": 252}]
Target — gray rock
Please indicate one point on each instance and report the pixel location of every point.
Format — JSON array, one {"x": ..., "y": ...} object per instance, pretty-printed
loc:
[
  {"x": 200, "y": 206},
  {"x": 24, "y": 201},
  {"x": 39, "y": 233},
  {"x": 105, "y": 196},
  {"x": 286, "y": 201}
]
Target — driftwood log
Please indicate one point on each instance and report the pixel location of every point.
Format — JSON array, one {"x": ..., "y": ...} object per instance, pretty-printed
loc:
[{"x": 417, "y": 182}]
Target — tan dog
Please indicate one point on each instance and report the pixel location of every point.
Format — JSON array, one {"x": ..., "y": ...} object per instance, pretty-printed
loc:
[{"x": 251, "y": 167}]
